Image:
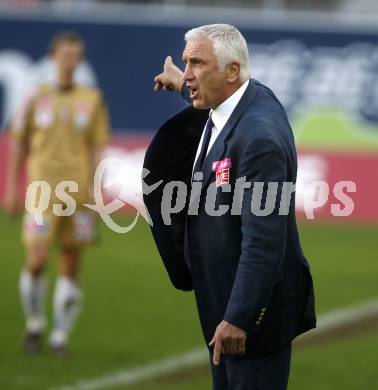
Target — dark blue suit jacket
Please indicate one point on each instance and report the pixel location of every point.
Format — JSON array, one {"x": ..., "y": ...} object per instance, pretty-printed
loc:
[{"x": 246, "y": 269}]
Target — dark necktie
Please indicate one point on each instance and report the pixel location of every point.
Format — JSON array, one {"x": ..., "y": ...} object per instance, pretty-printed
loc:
[{"x": 205, "y": 145}]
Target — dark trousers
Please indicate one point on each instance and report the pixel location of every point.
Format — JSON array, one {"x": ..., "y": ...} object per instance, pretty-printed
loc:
[{"x": 269, "y": 372}]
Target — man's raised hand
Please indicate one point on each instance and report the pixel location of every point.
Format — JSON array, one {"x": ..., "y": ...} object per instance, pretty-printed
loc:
[{"x": 170, "y": 79}]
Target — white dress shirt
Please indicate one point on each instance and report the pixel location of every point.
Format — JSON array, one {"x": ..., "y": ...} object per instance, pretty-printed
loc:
[{"x": 220, "y": 116}]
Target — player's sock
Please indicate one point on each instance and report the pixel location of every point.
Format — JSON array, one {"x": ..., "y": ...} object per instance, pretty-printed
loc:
[
  {"x": 67, "y": 304},
  {"x": 32, "y": 292}
]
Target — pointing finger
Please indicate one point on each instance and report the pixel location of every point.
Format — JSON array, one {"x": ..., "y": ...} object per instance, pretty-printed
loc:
[
  {"x": 157, "y": 87},
  {"x": 217, "y": 352}
]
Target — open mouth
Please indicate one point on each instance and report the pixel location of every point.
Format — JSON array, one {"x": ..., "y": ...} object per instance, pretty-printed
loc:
[{"x": 194, "y": 92}]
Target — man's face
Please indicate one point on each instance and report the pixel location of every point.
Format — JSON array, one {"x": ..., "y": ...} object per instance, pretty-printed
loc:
[
  {"x": 67, "y": 56},
  {"x": 207, "y": 85}
]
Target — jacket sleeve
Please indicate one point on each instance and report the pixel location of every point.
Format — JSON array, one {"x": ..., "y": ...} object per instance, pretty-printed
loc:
[
  {"x": 263, "y": 237},
  {"x": 169, "y": 158}
]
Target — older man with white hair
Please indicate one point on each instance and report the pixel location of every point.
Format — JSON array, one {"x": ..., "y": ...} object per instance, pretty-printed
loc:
[{"x": 252, "y": 283}]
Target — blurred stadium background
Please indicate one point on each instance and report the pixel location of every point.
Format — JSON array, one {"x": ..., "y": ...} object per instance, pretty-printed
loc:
[{"x": 321, "y": 58}]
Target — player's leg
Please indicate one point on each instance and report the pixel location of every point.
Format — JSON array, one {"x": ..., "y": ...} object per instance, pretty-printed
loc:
[
  {"x": 67, "y": 298},
  {"x": 77, "y": 231},
  {"x": 32, "y": 282}
]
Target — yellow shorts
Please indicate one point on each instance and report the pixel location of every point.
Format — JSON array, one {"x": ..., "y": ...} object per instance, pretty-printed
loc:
[{"x": 76, "y": 230}]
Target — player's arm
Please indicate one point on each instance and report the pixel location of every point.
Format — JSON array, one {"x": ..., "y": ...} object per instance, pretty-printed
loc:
[
  {"x": 96, "y": 156},
  {"x": 171, "y": 79},
  {"x": 18, "y": 147},
  {"x": 99, "y": 134},
  {"x": 16, "y": 156}
]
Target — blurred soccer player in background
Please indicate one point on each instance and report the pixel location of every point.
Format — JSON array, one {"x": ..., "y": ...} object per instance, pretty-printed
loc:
[{"x": 61, "y": 130}]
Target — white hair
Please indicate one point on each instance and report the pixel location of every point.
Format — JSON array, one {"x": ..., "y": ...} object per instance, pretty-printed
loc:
[{"x": 229, "y": 45}]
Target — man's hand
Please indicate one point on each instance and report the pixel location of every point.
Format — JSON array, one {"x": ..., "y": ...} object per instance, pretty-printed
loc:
[
  {"x": 170, "y": 79},
  {"x": 229, "y": 340}
]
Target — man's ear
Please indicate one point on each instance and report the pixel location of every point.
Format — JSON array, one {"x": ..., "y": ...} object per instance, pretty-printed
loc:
[{"x": 232, "y": 72}]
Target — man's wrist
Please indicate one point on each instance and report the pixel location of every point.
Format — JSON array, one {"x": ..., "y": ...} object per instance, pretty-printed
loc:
[
  {"x": 238, "y": 324},
  {"x": 179, "y": 84}
]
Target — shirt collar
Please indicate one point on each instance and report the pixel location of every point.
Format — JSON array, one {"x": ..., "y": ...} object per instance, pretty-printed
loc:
[{"x": 223, "y": 112}]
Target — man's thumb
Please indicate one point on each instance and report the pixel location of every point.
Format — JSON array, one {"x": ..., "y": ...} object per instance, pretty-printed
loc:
[
  {"x": 168, "y": 59},
  {"x": 212, "y": 342}
]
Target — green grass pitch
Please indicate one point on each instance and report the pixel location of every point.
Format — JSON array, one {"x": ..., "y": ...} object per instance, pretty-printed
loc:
[
  {"x": 133, "y": 316},
  {"x": 334, "y": 130}
]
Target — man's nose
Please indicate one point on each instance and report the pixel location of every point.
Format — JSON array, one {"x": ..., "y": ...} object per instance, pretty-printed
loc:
[{"x": 188, "y": 74}]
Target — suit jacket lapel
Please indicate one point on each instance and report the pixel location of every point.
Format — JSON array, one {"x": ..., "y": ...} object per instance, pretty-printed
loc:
[{"x": 217, "y": 150}]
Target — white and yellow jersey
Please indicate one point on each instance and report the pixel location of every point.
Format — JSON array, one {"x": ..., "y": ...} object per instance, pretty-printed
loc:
[{"x": 60, "y": 127}]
